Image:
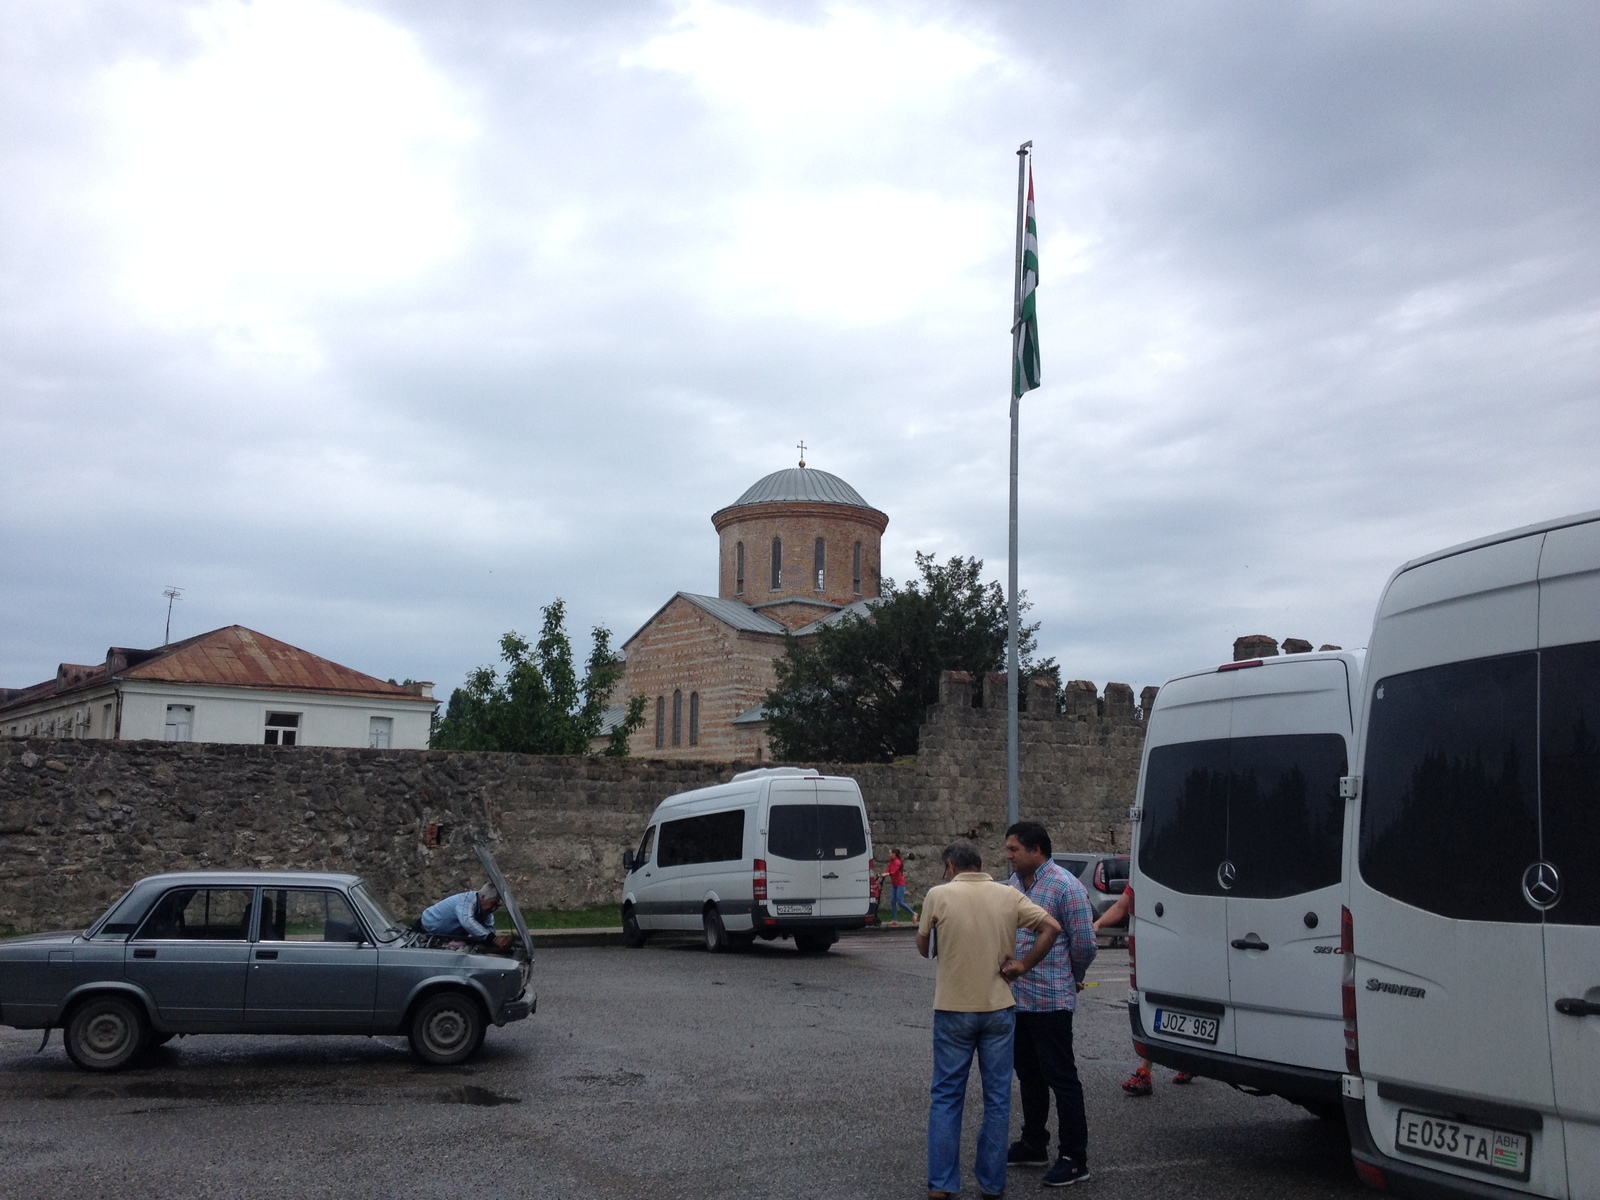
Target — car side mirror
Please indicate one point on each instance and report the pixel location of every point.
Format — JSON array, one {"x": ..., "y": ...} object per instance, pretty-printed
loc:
[{"x": 627, "y": 861}]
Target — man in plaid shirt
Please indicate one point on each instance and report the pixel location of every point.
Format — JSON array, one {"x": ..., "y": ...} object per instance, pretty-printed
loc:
[{"x": 1046, "y": 998}]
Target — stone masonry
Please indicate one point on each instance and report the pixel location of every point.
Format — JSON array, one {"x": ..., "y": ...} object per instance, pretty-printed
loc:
[{"x": 82, "y": 820}]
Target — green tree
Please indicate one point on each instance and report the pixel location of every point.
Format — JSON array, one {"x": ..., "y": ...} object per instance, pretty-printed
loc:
[
  {"x": 539, "y": 705},
  {"x": 856, "y": 691}
]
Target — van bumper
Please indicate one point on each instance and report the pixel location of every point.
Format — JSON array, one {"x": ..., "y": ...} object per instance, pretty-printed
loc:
[
  {"x": 1296, "y": 1084},
  {"x": 766, "y": 924},
  {"x": 1404, "y": 1178}
]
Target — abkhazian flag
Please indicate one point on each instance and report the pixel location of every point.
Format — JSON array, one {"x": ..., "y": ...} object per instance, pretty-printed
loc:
[{"x": 1025, "y": 341}]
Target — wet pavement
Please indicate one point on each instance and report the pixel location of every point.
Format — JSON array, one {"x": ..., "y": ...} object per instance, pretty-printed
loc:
[{"x": 664, "y": 1072}]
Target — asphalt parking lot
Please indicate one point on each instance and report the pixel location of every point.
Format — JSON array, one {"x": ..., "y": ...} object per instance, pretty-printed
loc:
[{"x": 663, "y": 1072}]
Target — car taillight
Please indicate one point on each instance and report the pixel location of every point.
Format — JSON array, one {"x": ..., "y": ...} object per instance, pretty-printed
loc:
[
  {"x": 1100, "y": 877},
  {"x": 1347, "y": 992},
  {"x": 758, "y": 881}
]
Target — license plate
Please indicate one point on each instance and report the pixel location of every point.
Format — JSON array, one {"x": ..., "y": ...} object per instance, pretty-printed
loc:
[
  {"x": 794, "y": 910},
  {"x": 1497, "y": 1150},
  {"x": 1186, "y": 1025}
]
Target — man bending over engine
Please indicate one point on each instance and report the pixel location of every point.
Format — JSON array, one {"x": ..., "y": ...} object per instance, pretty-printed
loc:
[{"x": 466, "y": 915}]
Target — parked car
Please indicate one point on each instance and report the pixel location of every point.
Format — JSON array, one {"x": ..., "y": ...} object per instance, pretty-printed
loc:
[
  {"x": 777, "y": 852},
  {"x": 261, "y": 952},
  {"x": 1471, "y": 933},
  {"x": 1237, "y": 868},
  {"x": 1104, "y": 876}
]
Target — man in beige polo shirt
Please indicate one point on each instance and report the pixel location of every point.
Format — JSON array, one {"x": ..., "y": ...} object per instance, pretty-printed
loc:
[{"x": 969, "y": 928}]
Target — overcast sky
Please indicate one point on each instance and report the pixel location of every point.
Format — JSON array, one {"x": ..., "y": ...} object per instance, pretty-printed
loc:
[{"x": 377, "y": 326}]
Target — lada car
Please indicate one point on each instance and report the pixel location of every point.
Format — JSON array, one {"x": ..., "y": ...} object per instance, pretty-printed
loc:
[{"x": 261, "y": 952}]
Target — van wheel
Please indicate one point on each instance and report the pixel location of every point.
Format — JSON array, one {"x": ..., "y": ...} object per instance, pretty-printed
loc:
[
  {"x": 632, "y": 936},
  {"x": 105, "y": 1033},
  {"x": 814, "y": 943},
  {"x": 716, "y": 935},
  {"x": 446, "y": 1029}
]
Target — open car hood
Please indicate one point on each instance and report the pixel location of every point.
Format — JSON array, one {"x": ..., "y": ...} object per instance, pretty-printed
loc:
[{"x": 512, "y": 910}]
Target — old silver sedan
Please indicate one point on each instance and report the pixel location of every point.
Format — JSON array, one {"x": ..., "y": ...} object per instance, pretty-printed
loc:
[{"x": 260, "y": 952}]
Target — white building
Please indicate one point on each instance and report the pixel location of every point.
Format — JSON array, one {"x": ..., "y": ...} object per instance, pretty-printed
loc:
[{"x": 229, "y": 685}]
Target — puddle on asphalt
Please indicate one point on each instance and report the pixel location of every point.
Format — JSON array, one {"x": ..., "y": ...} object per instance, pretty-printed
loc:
[{"x": 478, "y": 1096}]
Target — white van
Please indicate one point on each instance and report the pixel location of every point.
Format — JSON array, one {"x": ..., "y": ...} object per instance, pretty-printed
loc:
[
  {"x": 1472, "y": 927},
  {"x": 1238, "y": 844},
  {"x": 778, "y": 852}
]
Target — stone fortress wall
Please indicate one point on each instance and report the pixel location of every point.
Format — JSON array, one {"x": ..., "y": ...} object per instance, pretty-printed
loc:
[{"x": 82, "y": 820}]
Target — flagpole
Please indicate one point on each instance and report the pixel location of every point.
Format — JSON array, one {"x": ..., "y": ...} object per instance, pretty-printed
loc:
[{"x": 1013, "y": 806}]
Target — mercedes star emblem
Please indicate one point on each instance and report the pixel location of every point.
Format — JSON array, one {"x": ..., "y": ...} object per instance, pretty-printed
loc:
[
  {"x": 1541, "y": 885},
  {"x": 1226, "y": 874}
]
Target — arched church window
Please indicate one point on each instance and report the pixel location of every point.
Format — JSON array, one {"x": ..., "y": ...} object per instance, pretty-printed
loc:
[
  {"x": 694, "y": 718},
  {"x": 819, "y": 563},
  {"x": 677, "y": 718},
  {"x": 856, "y": 570},
  {"x": 777, "y": 563},
  {"x": 661, "y": 721},
  {"x": 738, "y": 569}
]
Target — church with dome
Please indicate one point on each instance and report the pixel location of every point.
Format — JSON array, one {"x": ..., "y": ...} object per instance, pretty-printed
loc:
[{"x": 798, "y": 551}]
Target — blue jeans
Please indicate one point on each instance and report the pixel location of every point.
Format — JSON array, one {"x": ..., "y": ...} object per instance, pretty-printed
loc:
[
  {"x": 897, "y": 901},
  {"x": 956, "y": 1037}
]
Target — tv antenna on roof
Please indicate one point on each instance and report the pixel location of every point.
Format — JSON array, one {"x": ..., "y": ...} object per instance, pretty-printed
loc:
[{"x": 171, "y": 593}]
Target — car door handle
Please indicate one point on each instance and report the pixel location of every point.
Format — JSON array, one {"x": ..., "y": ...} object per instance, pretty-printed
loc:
[
  {"x": 144, "y": 953},
  {"x": 1247, "y": 944},
  {"x": 1578, "y": 1008},
  {"x": 831, "y": 875},
  {"x": 266, "y": 954}
]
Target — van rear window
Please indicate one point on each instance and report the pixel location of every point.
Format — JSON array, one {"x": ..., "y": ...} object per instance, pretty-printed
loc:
[
  {"x": 715, "y": 837},
  {"x": 1569, "y": 708},
  {"x": 1267, "y": 806},
  {"x": 1449, "y": 816},
  {"x": 806, "y": 832}
]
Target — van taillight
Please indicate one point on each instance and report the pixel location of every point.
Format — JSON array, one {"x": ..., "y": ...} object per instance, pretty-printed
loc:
[
  {"x": 1133, "y": 964},
  {"x": 1347, "y": 992},
  {"x": 758, "y": 882}
]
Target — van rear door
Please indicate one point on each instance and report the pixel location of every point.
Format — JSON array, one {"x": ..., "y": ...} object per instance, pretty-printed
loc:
[
  {"x": 845, "y": 886},
  {"x": 1286, "y": 843},
  {"x": 1569, "y": 734},
  {"x": 794, "y": 870},
  {"x": 1180, "y": 914}
]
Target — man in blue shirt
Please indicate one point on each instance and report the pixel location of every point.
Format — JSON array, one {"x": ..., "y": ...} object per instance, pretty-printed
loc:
[
  {"x": 1046, "y": 998},
  {"x": 466, "y": 915}
]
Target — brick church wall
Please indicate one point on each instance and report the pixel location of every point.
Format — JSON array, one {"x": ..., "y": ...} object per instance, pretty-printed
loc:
[
  {"x": 799, "y": 524},
  {"x": 82, "y": 820}
]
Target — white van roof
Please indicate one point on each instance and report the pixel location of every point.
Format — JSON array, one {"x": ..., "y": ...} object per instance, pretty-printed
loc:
[
  {"x": 1509, "y": 535},
  {"x": 1355, "y": 657}
]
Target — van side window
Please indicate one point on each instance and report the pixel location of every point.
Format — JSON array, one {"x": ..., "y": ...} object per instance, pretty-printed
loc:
[
  {"x": 1569, "y": 713},
  {"x": 1449, "y": 817},
  {"x": 807, "y": 832},
  {"x": 715, "y": 837},
  {"x": 646, "y": 845}
]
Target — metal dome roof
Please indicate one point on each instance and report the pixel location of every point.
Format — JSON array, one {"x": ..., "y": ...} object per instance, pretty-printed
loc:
[{"x": 801, "y": 483}]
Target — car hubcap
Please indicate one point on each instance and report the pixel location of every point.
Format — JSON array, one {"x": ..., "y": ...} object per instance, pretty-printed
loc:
[
  {"x": 106, "y": 1034},
  {"x": 447, "y": 1029}
]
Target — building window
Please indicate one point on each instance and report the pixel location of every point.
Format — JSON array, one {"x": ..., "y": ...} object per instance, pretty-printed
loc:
[
  {"x": 694, "y": 718},
  {"x": 856, "y": 569},
  {"x": 180, "y": 722},
  {"x": 380, "y": 732},
  {"x": 283, "y": 729},
  {"x": 819, "y": 562},
  {"x": 661, "y": 721},
  {"x": 107, "y": 720},
  {"x": 738, "y": 569},
  {"x": 777, "y": 563},
  {"x": 677, "y": 718}
]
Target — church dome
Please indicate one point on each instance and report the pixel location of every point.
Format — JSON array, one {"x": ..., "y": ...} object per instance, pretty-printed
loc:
[{"x": 800, "y": 483}]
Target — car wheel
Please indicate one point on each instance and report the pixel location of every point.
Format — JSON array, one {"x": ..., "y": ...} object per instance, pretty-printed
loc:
[
  {"x": 446, "y": 1029},
  {"x": 813, "y": 943},
  {"x": 716, "y": 935},
  {"x": 105, "y": 1033},
  {"x": 632, "y": 936}
]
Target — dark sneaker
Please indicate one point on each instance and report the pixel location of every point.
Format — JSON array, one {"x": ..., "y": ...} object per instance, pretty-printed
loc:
[
  {"x": 1065, "y": 1173},
  {"x": 1023, "y": 1155}
]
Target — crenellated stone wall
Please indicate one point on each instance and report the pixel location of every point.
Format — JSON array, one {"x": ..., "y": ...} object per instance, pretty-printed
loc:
[{"x": 82, "y": 820}]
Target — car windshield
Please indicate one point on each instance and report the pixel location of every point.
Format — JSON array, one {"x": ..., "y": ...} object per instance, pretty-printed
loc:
[{"x": 385, "y": 924}]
